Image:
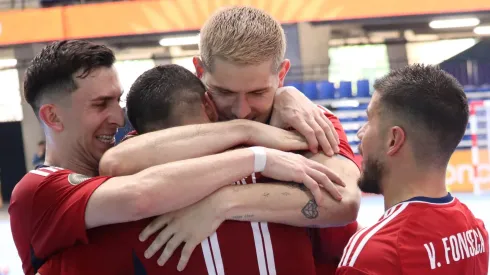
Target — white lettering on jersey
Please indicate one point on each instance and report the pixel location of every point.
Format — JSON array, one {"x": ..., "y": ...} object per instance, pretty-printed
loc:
[
  {"x": 446, "y": 250},
  {"x": 454, "y": 248},
  {"x": 432, "y": 254},
  {"x": 469, "y": 237},
  {"x": 463, "y": 245},
  {"x": 482, "y": 241}
]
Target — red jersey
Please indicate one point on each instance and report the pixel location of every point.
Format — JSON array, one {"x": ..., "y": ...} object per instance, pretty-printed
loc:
[
  {"x": 236, "y": 247},
  {"x": 420, "y": 236},
  {"x": 47, "y": 213}
]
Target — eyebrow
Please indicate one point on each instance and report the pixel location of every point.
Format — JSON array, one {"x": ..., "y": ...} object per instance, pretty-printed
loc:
[
  {"x": 224, "y": 89},
  {"x": 104, "y": 98}
]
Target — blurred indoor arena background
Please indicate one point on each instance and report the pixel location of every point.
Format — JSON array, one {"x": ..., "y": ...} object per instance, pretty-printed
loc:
[{"x": 337, "y": 49}]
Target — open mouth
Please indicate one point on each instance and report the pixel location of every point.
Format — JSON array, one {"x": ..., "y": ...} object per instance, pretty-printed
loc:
[{"x": 107, "y": 139}]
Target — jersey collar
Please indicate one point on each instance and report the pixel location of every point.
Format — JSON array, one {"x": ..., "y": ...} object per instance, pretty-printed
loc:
[{"x": 442, "y": 200}]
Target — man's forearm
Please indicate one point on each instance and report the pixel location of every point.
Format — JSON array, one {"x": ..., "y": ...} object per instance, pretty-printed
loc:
[
  {"x": 293, "y": 204},
  {"x": 290, "y": 204},
  {"x": 173, "y": 144},
  {"x": 164, "y": 188}
]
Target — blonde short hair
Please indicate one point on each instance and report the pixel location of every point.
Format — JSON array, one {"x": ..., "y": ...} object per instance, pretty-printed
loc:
[{"x": 242, "y": 35}]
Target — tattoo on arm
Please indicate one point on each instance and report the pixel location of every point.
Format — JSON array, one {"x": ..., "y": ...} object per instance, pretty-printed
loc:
[
  {"x": 242, "y": 217},
  {"x": 310, "y": 210}
]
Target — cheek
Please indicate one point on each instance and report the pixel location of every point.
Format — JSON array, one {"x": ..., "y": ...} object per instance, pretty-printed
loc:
[
  {"x": 261, "y": 103},
  {"x": 223, "y": 102},
  {"x": 368, "y": 142},
  {"x": 93, "y": 119}
]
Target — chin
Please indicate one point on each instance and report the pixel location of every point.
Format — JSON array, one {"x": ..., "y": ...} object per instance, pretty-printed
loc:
[{"x": 372, "y": 174}]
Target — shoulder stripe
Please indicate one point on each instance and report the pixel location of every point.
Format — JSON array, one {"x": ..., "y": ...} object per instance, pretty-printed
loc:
[
  {"x": 353, "y": 242},
  {"x": 350, "y": 246},
  {"x": 40, "y": 173},
  {"x": 374, "y": 230},
  {"x": 389, "y": 212}
]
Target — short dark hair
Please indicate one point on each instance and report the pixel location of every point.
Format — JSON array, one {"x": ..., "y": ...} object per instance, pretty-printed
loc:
[
  {"x": 155, "y": 98},
  {"x": 430, "y": 105},
  {"x": 52, "y": 71}
]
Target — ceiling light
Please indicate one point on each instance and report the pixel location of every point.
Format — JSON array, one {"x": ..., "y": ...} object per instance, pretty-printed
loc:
[
  {"x": 179, "y": 40},
  {"x": 482, "y": 30},
  {"x": 8, "y": 62},
  {"x": 454, "y": 23}
]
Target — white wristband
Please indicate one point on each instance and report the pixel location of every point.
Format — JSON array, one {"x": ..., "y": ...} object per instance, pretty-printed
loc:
[{"x": 260, "y": 158}]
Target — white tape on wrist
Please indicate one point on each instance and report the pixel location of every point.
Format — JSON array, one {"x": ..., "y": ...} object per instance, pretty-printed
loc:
[{"x": 260, "y": 158}]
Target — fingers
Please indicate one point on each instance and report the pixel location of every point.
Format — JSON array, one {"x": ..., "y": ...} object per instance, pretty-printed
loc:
[
  {"x": 293, "y": 141},
  {"x": 334, "y": 177},
  {"x": 321, "y": 136},
  {"x": 159, "y": 241},
  {"x": 322, "y": 116},
  {"x": 305, "y": 129},
  {"x": 312, "y": 185},
  {"x": 153, "y": 227},
  {"x": 327, "y": 184},
  {"x": 172, "y": 244},
  {"x": 330, "y": 132},
  {"x": 186, "y": 255}
]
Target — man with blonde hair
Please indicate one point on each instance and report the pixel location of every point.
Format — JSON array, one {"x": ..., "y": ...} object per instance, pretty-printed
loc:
[{"x": 242, "y": 65}]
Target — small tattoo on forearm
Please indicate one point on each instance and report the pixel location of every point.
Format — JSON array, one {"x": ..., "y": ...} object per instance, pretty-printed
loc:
[
  {"x": 310, "y": 210},
  {"x": 239, "y": 187},
  {"x": 242, "y": 217},
  {"x": 266, "y": 194},
  {"x": 286, "y": 193}
]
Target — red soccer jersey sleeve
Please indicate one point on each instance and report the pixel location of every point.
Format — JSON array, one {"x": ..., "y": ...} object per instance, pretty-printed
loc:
[
  {"x": 344, "y": 147},
  {"x": 47, "y": 213}
]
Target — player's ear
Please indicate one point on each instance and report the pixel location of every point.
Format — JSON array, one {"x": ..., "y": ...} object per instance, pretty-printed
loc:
[
  {"x": 210, "y": 108},
  {"x": 199, "y": 66},
  {"x": 283, "y": 71},
  {"x": 50, "y": 115},
  {"x": 396, "y": 140}
]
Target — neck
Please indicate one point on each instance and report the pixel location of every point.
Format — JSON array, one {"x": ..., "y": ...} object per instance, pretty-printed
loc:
[
  {"x": 403, "y": 184},
  {"x": 66, "y": 159}
]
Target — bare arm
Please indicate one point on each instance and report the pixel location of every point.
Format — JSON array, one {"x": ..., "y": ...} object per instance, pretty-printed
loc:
[
  {"x": 173, "y": 144},
  {"x": 166, "y": 187},
  {"x": 192, "y": 141},
  {"x": 293, "y": 204},
  {"x": 163, "y": 188},
  {"x": 273, "y": 202}
]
